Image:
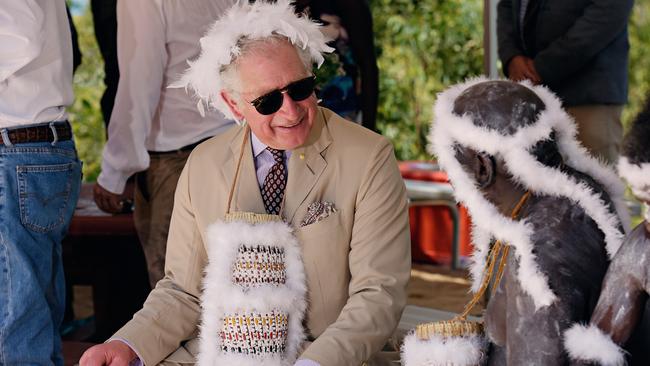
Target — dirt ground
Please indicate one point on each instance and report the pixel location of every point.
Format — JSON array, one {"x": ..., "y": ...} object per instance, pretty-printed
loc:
[{"x": 440, "y": 287}]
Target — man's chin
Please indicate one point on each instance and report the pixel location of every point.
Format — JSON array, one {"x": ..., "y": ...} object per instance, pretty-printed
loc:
[{"x": 291, "y": 138}]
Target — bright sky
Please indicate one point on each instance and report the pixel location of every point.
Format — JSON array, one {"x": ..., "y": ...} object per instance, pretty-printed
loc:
[{"x": 78, "y": 6}]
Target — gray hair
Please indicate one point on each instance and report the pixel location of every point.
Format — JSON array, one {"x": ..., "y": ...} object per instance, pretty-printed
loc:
[{"x": 230, "y": 73}]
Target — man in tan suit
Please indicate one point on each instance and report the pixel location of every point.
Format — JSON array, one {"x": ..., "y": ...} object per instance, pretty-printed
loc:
[{"x": 356, "y": 259}]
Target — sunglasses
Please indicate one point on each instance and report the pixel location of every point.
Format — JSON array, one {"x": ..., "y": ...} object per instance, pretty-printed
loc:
[{"x": 271, "y": 102}]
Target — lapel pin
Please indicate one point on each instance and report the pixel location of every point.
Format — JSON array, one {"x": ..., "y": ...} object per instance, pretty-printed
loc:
[{"x": 302, "y": 156}]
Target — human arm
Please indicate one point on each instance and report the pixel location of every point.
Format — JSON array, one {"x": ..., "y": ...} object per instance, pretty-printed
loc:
[
  {"x": 625, "y": 287},
  {"x": 357, "y": 20},
  {"x": 522, "y": 68},
  {"x": 142, "y": 57},
  {"x": 171, "y": 312},
  {"x": 21, "y": 39},
  {"x": 114, "y": 353},
  {"x": 379, "y": 264},
  {"x": 110, "y": 202},
  {"x": 619, "y": 309},
  {"x": 564, "y": 237},
  {"x": 600, "y": 23},
  {"x": 508, "y": 41}
]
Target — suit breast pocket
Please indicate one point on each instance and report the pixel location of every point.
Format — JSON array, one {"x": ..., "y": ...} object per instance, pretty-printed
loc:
[
  {"x": 326, "y": 227},
  {"x": 325, "y": 255}
]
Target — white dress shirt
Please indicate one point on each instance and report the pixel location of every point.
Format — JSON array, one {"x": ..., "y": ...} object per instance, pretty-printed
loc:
[
  {"x": 35, "y": 62},
  {"x": 264, "y": 160},
  {"x": 155, "y": 39}
]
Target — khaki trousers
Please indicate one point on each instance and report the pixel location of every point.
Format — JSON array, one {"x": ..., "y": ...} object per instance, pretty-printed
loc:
[
  {"x": 154, "y": 200},
  {"x": 599, "y": 129}
]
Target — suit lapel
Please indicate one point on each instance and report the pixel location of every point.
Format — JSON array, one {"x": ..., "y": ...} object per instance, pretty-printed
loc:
[
  {"x": 306, "y": 165},
  {"x": 247, "y": 196}
]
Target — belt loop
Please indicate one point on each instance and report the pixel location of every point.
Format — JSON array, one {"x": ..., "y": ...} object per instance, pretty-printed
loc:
[
  {"x": 5, "y": 137},
  {"x": 54, "y": 133}
]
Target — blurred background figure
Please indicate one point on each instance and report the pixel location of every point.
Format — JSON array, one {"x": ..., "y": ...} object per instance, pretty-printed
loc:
[
  {"x": 349, "y": 82},
  {"x": 105, "y": 28},
  {"x": 579, "y": 49},
  {"x": 40, "y": 178},
  {"x": 153, "y": 128},
  {"x": 105, "y": 25}
]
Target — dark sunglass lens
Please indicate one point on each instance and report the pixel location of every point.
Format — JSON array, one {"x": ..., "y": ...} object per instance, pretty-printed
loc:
[
  {"x": 301, "y": 89},
  {"x": 269, "y": 103}
]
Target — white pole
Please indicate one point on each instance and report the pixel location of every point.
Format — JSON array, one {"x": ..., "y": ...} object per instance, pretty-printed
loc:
[{"x": 490, "y": 57}]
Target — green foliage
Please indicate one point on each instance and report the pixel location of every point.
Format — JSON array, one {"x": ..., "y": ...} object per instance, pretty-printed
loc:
[
  {"x": 85, "y": 113},
  {"x": 330, "y": 68},
  {"x": 424, "y": 46},
  {"x": 639, "y": 67},
  {"x": 427, "y": 45}
]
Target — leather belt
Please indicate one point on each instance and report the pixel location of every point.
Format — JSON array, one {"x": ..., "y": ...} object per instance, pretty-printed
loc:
[
  {"x": 185, "y": 148},
  {"x": 39, "y": 133}
]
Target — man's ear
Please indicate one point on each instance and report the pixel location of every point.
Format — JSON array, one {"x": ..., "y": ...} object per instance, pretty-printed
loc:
[
  {"x": 232, "y": 104},
  {"x": 484, "y": 169}
]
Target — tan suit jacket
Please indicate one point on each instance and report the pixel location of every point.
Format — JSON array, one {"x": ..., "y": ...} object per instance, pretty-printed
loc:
[{"x": 357, "y": 260}]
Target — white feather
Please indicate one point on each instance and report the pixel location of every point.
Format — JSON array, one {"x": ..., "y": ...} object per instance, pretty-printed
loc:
[
  {"x": 589, "y": 343},
  {"x": 221, "y": 296},
  {"x": 439, "y": 351},
  {"x": 449, "y": 129},
  {"x": 254, "y": 21},
  {"x": 637, "y": 176}
]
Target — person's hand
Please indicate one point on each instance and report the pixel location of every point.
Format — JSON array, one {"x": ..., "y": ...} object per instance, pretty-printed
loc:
[
  {"x": 523, "y": 68},
  {"x": 113, "y": 353},
  {"x": 108, "y": 201}
]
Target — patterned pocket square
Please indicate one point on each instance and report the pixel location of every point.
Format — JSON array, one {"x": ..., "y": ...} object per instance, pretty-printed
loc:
[{"x": 318, "y": 211}]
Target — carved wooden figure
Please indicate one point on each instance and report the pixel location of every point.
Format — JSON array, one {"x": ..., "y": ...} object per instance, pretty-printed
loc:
[{"x": 498, "y": 140}]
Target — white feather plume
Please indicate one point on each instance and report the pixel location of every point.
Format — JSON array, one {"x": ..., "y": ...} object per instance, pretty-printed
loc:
[
  {"x": 439, "y": 351},
  {"x": 450, "y": 129},
  {"x": 253, "y": 21},
  {"x": 589, "y": 343}
]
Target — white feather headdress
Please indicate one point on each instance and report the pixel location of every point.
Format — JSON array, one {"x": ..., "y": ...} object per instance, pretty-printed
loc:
[
  {"x": 450, "y": 129},
  {"x": 219, "y": 46}
]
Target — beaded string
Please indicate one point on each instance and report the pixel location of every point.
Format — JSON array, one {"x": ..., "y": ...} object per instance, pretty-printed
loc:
[{"x": 459, "y": 325}]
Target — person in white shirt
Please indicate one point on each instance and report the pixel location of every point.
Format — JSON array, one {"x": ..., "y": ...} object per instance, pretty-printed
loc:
[
  {"x": 153, "y": 128},
  {"x": 40, "y": 178}
]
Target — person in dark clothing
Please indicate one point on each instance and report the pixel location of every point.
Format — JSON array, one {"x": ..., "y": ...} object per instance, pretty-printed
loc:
[
  {"x": 349, "y": 23},
  {"x": 579, "y": 49},
  {"x": 105, "y": 24}
]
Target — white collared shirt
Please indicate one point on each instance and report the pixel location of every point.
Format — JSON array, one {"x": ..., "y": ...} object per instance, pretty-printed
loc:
[
  {"x": 156, "y": 38},
  {"x": 35, "y": 62},
  {"x": 264, "y": 160}
]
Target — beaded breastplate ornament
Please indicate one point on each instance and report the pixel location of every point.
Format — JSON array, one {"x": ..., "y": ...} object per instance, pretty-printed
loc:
[{"x": 254, "y": 290}]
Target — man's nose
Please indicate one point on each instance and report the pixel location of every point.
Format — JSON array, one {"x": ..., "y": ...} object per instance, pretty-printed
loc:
[{"x": 289, "y": 108}]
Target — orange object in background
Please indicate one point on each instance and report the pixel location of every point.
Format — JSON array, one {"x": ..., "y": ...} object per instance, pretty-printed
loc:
[{"x": 432, "y": 226}]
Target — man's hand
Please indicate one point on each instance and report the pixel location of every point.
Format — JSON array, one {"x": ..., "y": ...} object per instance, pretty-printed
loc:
[
  {"x": 113, "y": 353},
  {"x": 108, "y": 201},
  {"x": 523, "y": 68}
]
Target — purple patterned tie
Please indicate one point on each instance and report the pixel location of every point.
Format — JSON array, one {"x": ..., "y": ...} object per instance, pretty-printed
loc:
[{"x": 274, "y": 183}]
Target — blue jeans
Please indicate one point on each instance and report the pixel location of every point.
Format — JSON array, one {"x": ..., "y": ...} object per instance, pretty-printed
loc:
[{"x": 39, "y": 187}]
